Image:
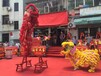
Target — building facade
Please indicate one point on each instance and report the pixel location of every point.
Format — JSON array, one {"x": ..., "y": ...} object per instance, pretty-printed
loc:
[
  {"x": 11, "y": 14},
  {"x": 74, "y": 7},
  {"x": 48, "y": 6},
  {"x": 88, "y": 20},
  {"x": 86, "y": 16}
]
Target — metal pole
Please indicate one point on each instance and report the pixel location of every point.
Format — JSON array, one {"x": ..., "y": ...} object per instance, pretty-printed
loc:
[{"x": 49, "y": 31}]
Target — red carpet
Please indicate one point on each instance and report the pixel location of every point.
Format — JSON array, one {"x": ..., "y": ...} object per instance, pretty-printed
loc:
[{"x": 57, "y": 67}]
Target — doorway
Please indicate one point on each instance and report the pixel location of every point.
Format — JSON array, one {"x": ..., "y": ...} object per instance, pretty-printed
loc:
[
  {"x": 5, "y": 37},
  {"x": 55, "y": 36},
  {"x": 84, "y": 30},
  {"x": 93, "y": 32}
]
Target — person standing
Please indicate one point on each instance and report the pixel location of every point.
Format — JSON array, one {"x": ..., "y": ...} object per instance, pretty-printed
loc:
[
  {"x": 89, "y": 38},
  {"x": 82, "y": 36},
  {"x": 69, "y": 35},
  {"x": 62, "y": 37},
  {"x": 18, "y": 47},
  {"x": 75, "y": 41}
]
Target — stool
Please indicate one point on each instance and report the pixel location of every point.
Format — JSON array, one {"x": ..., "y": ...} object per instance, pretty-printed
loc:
[
  {"x": 44, "y": 64},
  {"x": 38, "y": 67},
  {"x": 19, "y": 67},
  {"x": 29, "y": 63}
]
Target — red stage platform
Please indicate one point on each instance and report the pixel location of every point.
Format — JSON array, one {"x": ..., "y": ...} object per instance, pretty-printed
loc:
[{"x": 56, "y": 67}]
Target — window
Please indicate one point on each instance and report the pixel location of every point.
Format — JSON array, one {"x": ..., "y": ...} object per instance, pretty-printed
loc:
[
  {"x": 16, "y": 6},
  {"x": 61, "y": 8},
  {"x": 97, "y": 2},
  {"x": 53, "y": 6},
  {"x": 89, "y": 2},
  {"x": 5, "y": 3},
  {"x": 41, "y": 10},
  {"x": 79, "y": 2},
  {"x": 16, "y": 25},
  {"x": 46, "y": 9},
  {"x": 54, "y": 9},
  {"x": 5, "y": 19},
  {"x": 71, "y": 4},
  {"x": 40, "y": 6}
]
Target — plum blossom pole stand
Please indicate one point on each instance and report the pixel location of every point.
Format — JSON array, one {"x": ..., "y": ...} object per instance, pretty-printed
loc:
[
  {"x": 29, "y": 21},
  {"x": 41, "y": 63}
]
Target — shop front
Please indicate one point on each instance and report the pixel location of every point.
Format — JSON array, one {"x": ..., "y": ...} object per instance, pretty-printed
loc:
[
  {"x": 52, "y": 24},
  {"x": 89, "y": 21},
  {"x": 88, "y": 25}
]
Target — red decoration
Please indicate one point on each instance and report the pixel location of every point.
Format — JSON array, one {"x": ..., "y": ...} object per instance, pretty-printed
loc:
[
  {"x": 29, "y": 21},
  {"x": 11, "y": 34}
]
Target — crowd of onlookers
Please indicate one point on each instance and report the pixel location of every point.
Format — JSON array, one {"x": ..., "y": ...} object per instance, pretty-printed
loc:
[
  {"x": 88, "y": 41},
  {"x": 52, "y": 40},
  {"x": 55, "y": 39},
  {"x": 5, "y": 44},
  {"x": 84, "y": 40}
]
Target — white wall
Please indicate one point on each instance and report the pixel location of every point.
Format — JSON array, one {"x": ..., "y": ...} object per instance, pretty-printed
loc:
[
  {"x": 0, "y": 20},
  {"x": 0, "y": 16},
  {"x": 16, "y": 16},
  {"x": 13, "y": 16}
]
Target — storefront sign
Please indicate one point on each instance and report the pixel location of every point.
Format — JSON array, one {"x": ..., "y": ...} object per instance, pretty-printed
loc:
[
  {"x": 90, "y": 11},
  {"x": 89, "y": 20},
  {"x": 71, "y": 24}
]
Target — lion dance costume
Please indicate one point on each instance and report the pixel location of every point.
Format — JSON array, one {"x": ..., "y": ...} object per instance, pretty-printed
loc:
[
  {"x": 29, "y": 21},
  {"x": 86, "y": 58}
]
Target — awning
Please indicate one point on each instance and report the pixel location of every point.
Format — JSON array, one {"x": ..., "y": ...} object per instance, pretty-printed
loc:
[
  {"x": 90, "y": 20},
  {"x": 53, "y": 19}
]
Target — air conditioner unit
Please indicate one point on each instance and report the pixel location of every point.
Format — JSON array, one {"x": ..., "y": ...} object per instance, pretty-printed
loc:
[
  {"x": 10, "y": 22},
  {"x": 9, "y": 9}
]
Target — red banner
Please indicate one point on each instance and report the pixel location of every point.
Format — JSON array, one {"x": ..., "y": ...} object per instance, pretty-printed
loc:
[{"x": 53, "y": 19}]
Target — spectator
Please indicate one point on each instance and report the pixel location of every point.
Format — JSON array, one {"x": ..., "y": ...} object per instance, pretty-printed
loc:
[
  {"x": 82, "y": 36},
  {"x": 98, "y": 35},
  {"x": 18, "y": 46},
  {"x": 6, "y": 44},
  {"x": 69, "y": 35},
  {"x": 62, "y": 37},
  {"x": 75, "y": 41},
  {"x": 54, "y": 39},
  {"x": 89, "y": 38}
]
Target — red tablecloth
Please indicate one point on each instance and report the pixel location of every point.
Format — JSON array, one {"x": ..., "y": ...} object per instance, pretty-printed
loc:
[
  {"x": 14, "y": 49},
  {"x": 39, "y": 50}
]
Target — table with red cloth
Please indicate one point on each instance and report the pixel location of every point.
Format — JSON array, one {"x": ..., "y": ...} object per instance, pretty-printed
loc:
[
  {"x": 2, "y": 52},
  {"x": 14, "y": 49},
  {"x": 39, "y": 50}
]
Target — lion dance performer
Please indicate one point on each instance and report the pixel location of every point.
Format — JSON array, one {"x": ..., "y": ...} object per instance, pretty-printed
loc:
[
  {"x": 30, "y": 20},
  {"x": 86, "y": 58}
]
